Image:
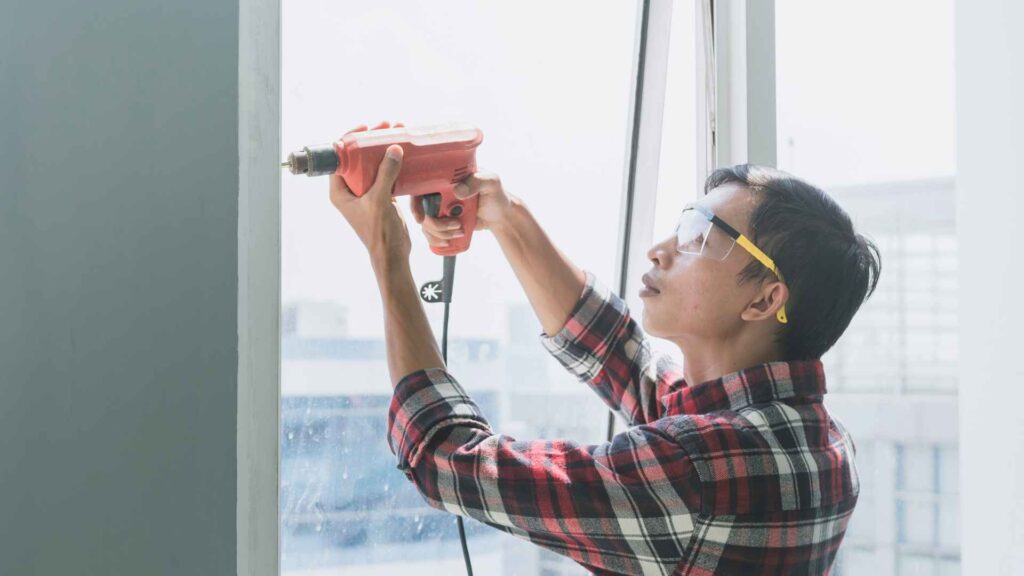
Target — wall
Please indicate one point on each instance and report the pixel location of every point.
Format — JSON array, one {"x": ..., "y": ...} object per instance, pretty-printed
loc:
[
  {"x": 990, "y": 159},
  {"x": 118, "y": 287}
]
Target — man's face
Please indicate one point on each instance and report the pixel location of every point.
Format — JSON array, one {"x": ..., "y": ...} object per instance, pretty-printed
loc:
[{"x": 699, "y": 298}]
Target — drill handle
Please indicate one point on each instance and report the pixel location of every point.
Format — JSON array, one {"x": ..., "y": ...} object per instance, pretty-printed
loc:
[{"x": 444, "y": 204}]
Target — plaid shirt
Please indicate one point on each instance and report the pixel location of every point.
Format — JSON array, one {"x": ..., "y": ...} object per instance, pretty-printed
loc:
[{"x": 745, "y": 474}]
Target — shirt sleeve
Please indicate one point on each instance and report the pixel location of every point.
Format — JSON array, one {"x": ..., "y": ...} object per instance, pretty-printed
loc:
[
  {"x": 602, "y": 345},
  {"x": 622, "y": 505}
]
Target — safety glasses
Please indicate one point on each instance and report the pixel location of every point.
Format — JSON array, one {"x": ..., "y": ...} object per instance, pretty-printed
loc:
[{"x": 700, "y": 233}]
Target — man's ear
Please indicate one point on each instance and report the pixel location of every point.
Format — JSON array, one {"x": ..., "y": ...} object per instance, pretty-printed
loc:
[{"x": 766, "y": 302}]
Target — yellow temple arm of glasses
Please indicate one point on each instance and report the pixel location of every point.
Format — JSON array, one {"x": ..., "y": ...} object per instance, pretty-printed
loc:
[{"x": 764, "y": 259}]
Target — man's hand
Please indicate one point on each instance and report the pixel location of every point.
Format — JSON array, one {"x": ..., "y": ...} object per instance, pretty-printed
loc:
[
  {"x": 375, "y": 215},
  {"x": 490, "y": 213}
]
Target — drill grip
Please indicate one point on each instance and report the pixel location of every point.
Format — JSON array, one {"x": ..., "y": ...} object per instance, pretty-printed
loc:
[{"x": 445, "y": 204}]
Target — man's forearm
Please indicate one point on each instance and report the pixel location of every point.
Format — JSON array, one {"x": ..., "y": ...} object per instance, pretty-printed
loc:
[
  {"x": 411, "y": 345},
  {"x": 552, "y": 282}
]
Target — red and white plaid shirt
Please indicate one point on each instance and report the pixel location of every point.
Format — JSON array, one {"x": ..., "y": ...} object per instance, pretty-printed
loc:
[{"x": 745, "y": 474}]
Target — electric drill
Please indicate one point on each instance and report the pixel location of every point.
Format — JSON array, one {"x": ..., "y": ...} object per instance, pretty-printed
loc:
[{"x": 435, "y": 159}]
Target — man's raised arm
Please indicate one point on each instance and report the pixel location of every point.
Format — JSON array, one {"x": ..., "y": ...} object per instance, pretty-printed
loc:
[{"x": 586, "y": 328}]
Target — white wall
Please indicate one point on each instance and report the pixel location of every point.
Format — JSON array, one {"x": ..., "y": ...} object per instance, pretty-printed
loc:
[
  {"x": 118, "y": 286},
  {"x": 990, "y": 158}
]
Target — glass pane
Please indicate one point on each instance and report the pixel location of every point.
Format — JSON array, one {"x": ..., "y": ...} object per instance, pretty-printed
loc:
[
  {"x": 862, "y": 523},
  {"x": 949, "y": 567},
  {"x": 949, "y": 466},
  {"x": 554, "y": 117},
  {"x": 872, "y": 123},
  {"x": 678, "y": 182},
  {"x": 917, "y": 521},
  {"x": 852, "y": 111},
  {"x": 911, "y": 565},
  {"x": 949, "y": 523},
  {"x": 917, "y": 468},
  {"x": 855, "y": 561},
  {"x": 862, "y": 526}
]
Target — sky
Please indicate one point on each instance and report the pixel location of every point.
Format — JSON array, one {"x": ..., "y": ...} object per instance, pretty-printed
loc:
[
  {"x": 549, "y": 92},
  {"x": 864, "y": 95}
]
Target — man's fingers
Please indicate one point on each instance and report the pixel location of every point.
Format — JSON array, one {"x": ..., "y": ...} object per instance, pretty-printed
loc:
[
  {"x": 417, "y": 209},
  {"x": 390, "y": 166},
  {"x": 383, "y": 125},
  {"x": 436, "y": 228},
  {"x": 477, "y": 183},
  {"x": 432, "y": 225},
  {"x": 441, "y": 226},
  {"x": 435, "y": 241},
  {"x": 445, "y": 235},
  {"x": 340, "y": 192}
]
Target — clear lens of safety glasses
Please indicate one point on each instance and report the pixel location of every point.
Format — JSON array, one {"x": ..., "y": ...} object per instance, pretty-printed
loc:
[{"x": 697, "y": 235}]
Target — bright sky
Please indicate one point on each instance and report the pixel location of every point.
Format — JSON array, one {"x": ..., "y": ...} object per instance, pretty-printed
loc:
[
  {"x": 865, "y": 94},
  {"x": 548, "y": 83}
]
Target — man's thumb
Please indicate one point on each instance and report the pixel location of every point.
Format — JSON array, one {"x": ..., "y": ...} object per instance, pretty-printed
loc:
[
  {"x": 395, "y": 152},
  {"x": 390, "y": 167}
]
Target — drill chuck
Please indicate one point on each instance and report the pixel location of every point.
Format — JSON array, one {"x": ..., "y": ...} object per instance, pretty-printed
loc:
[{"x": 313, "y": 160}]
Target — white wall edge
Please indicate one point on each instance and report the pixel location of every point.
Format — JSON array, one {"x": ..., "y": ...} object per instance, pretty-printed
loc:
[
  {"x": 989, "y": 80},
  {"x": 259, "y": 282}
]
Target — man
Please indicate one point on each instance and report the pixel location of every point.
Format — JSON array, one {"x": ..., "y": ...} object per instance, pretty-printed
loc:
[{"x": 730, "y": 464}]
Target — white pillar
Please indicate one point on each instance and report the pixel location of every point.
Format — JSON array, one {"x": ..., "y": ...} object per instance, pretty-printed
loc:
[
  {"x": 990, "y": 184},
  {"x": 745, "y": 116},
  {"x": 259, "y": 288}
]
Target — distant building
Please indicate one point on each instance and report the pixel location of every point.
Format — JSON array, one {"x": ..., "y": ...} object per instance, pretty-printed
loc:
[
  {"x": 308, "y": 319},
  {"x": 343, "y": 499}
]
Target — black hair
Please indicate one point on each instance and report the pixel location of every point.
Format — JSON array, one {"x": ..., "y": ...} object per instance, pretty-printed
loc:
[{"x": 829, "y": 268}]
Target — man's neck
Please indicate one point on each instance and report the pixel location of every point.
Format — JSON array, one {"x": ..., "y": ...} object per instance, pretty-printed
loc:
[{"x": 711, "y": 360}]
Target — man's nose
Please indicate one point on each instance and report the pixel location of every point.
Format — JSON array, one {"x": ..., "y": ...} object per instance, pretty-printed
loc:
[{"x": 661, "y": 253}]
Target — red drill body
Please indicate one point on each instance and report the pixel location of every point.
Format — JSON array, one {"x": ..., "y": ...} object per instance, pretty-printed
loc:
[{"x": 435, "y": 159}]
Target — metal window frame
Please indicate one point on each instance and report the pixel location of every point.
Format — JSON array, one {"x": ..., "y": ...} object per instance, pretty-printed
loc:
[
  {"x": 736, "y": 112},
  {"x": 735, "y": 107},
  {"x": 643, "y": 149}
]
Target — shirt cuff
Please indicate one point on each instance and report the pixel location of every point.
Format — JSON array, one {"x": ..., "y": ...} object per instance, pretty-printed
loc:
[
  {"x": 425, "y": 402},
  {"x": 589, "y": 334}
]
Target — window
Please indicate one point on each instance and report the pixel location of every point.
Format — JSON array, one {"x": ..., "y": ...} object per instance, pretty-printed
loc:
[
  {"x": 872, "y": 122},
  {"x": 677, "y": 167},
  {"x": 554, "y": 116}
]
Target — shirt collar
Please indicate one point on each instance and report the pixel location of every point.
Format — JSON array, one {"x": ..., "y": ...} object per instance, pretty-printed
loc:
[{"x": 755, "y": 385}]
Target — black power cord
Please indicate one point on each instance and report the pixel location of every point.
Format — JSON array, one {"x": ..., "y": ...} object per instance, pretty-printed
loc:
[
  {"x": 429, "y": 293},
  {"x": 446, "y": 291}
]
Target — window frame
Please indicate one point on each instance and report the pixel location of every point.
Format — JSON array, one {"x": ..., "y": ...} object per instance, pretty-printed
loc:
[{"x": 259, "y": 222}]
